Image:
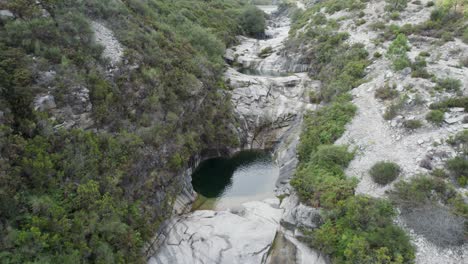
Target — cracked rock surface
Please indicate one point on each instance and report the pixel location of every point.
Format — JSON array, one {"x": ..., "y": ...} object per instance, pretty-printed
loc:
[{"x": 220, "y": 237}]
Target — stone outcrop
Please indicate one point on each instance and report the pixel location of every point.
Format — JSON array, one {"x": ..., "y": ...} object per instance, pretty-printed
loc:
[
  {"x": 113, "y": 50},
  {"x": 267, "y": 105},
  {"x": 220, "y": 237}
]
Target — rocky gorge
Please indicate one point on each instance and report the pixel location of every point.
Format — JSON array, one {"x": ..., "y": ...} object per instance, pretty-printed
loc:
[{"x": 269, "y": 105}]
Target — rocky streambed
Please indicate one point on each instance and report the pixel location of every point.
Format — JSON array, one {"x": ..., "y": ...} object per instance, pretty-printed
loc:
[{"x": 269, "y": 100}]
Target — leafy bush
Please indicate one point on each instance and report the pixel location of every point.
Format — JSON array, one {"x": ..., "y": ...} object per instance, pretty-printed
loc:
[
  {"x": 448, "y": 84},
  {"x": 386, "y": 93},
  {"x": 324, "y": 127},
  {"x": 436, "y": 117},
  {"x": 397, "y": 52},
  {"x": 412, "y": 124},
  {"x": 395, "y": 16},
  {"x": 444, "y": 23},
  {"x": 359, "y": 231},
  {"x": 89, "y": 197},
  {"x": 339, "y": 66},
  {"x": 321, "y": 181},
  {"x": 384, "y": 172},
  {"x": 396, "y": 5},
  {"x": 419, "y": 68},
  {"x": 265, "y": 52},
  {"x": 460, "y": 139},
  {"x": 252, "y": 21},
  {"x": 459, "y": 101},
  {"x": 458, "y": 166}
]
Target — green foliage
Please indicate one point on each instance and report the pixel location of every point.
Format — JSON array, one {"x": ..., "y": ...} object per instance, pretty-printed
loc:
[
  {"x": 460, "y": 139},
  {"x": 321, "y": 181},
  {"x": 356, "y": 227},
  {"x": 395, "y": 16},
  {"x": 458, "y": 166},
  {"x": 436, "y": 117},
  {"x": 412, "y": 124},
  {"x": 324, "y": 126},
  {"x": 71, "y": 199},
  {"x": 393, "y": 110},
  {"x": 448, "y": 84},
  {"x": 419, "y": 68},
  {"x": 396, "y": 5},
  {"x": 459, "y": 101},
  {"x": 265, "y": 52},
  {"x": 386, "y": 92},
  {"x": 252, "y": 21},
  {"x": 397, "y": 52},
  {"x": 337, "y": 5},
  {"x": 339, "y": 66},
  {"x": 444, "y": 23},
  {"x": 384, "y": 172},
  {"x": 360, "y": 230},
  {"x": 91, "y": 197}
]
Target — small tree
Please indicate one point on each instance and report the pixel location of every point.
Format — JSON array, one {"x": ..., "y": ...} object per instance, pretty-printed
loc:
[{"x": 252, "y": 21}]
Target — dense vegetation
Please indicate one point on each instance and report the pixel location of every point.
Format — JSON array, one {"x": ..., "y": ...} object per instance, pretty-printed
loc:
[
  {"x": 74, "y": 196},
  {"x": 357, "y": 228}
]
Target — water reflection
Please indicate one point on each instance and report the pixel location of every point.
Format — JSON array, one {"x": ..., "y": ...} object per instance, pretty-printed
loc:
[{"x": 227, "y": 182}]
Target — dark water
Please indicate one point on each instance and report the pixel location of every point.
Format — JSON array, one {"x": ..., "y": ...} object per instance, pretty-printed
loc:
[{"x": 228, "y": 182}]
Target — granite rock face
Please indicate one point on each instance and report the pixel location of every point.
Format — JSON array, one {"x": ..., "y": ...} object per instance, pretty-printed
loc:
[
  {"x": 220, "y": 237},
  {"x": 267, "y": 96}
]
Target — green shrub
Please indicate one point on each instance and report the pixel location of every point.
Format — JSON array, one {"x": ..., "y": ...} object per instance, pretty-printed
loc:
[
  {"x": 377, "y": 55},
  {"x": 314, "y": 98},
  {"x": 252, "y": 21},
  {"x": 321, "y": 181},
  {"x": 419, "y": 68},
  {"x": 393, "y": 110},
  {"x": 412, "y": 124},
  {"x": 439, "y": 173},
  {"x": 459, "y": 101},
  {"x": 396, "y": 5},
  {"x": 397, "y": 52},
  {"x": 384, "y": 172},
  {"x": 360, "y": 22},
  {"x": 458, "y": 166},
  {"x": 444, "y": 23},
  {"x": 448, "y": 84},
  {"x": 436, "y": 117},
  {"x": 265, "y": 52},
  {"x": 461, "y": 138},
  {"x": 324, "y": 126},
  {"x": 424, "y": 54},
  {"x": 386, "y": 93},
  {"x": 430, "y": 3},
  {"x": 358, "y": 231},
  {"x": 395, "y": 16}
]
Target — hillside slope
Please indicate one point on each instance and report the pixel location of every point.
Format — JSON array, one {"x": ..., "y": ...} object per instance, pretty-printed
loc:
[
  {"x": 102, "y": 106},
  {"x": 406, "y": 131}
]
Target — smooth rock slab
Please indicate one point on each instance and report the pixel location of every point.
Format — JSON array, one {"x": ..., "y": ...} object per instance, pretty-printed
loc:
[{"x": 221, "y": 237}]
